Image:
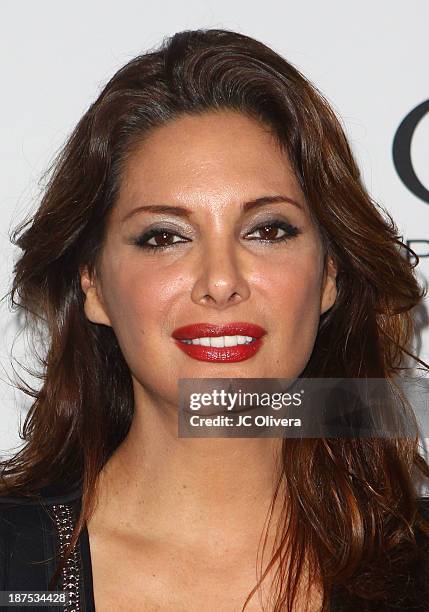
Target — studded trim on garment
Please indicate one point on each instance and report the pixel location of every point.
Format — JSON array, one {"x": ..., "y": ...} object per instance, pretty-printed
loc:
[{"x": 71, "y": 577}]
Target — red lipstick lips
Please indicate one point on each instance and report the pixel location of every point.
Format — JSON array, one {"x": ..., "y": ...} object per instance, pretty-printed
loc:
[{"x": 250, "y": 333}]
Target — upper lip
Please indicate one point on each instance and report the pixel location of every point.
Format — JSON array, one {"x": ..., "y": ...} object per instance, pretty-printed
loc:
[{"x": 204, "y": 330}]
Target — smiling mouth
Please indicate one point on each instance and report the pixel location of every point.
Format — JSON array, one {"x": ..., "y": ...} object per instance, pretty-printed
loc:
[
  {"x": 228, "y": 342},
  {"x": 220, "y": 349},
  {"x": 220, "y": 341}
]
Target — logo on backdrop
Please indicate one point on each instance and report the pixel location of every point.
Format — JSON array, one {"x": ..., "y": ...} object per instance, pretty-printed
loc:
[
  {"x": 404, "y": 166},
  {"x": 402, "y": 151}
]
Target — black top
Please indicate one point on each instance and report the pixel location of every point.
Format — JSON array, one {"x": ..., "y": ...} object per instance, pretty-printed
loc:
[
  {"x": 33, "y": 533},
  {"x": 32, "y": 536}
]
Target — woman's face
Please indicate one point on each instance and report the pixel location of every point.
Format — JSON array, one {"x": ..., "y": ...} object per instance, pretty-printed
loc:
[{"x": 229, "y": 180}]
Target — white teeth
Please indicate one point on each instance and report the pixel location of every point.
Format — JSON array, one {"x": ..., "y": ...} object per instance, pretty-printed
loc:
[{"x": 220, "y": 341}]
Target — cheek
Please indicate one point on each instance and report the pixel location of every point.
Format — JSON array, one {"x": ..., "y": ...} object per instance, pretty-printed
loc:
[
  {"x": 293, "y": 290},
  {"x": 138, "y": 299}
]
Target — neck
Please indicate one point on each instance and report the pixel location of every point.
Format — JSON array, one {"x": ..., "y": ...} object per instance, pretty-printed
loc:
[{"x": 186, "y": 488}]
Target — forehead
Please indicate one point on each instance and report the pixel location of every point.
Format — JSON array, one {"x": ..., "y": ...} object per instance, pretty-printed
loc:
[{"x": 219, "y": 154}]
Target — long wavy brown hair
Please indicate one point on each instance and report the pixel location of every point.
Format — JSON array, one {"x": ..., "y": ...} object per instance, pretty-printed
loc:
[{"x": 357, "y": 527}]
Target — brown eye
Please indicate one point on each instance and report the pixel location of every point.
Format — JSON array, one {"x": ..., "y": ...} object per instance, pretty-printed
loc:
[
  {"x": 270, "y": 232},
  {"x": 158, "y": 238},
  {"x": 164, "y": 239}
]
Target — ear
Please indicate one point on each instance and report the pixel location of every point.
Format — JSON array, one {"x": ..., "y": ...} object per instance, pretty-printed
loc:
[
  {"x": 329, "y": 287},
  {"x": 94, "y": 306}
]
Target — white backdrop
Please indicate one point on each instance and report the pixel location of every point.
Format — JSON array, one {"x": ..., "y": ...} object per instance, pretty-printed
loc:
[{"x": 369, "y": 59}]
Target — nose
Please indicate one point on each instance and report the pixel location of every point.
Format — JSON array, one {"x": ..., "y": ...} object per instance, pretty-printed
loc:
[{"x": 220, "y": 281}]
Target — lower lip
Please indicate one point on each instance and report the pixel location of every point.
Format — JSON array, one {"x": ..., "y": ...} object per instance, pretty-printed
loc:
[{"x": 227, "y": 354}]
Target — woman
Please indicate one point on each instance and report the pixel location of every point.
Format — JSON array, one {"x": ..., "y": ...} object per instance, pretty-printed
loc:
[{"x": 210, "y": 183}]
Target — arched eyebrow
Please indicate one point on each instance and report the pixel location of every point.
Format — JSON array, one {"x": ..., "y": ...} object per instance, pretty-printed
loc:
[{"x": 180, "y": 211}]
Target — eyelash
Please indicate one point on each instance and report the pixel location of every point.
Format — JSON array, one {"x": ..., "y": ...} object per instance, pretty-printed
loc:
[{"x": 141, "y": 241}]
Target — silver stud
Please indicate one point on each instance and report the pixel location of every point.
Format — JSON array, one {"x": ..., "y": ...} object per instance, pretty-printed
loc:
[{"x": 70, "y": 577}]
